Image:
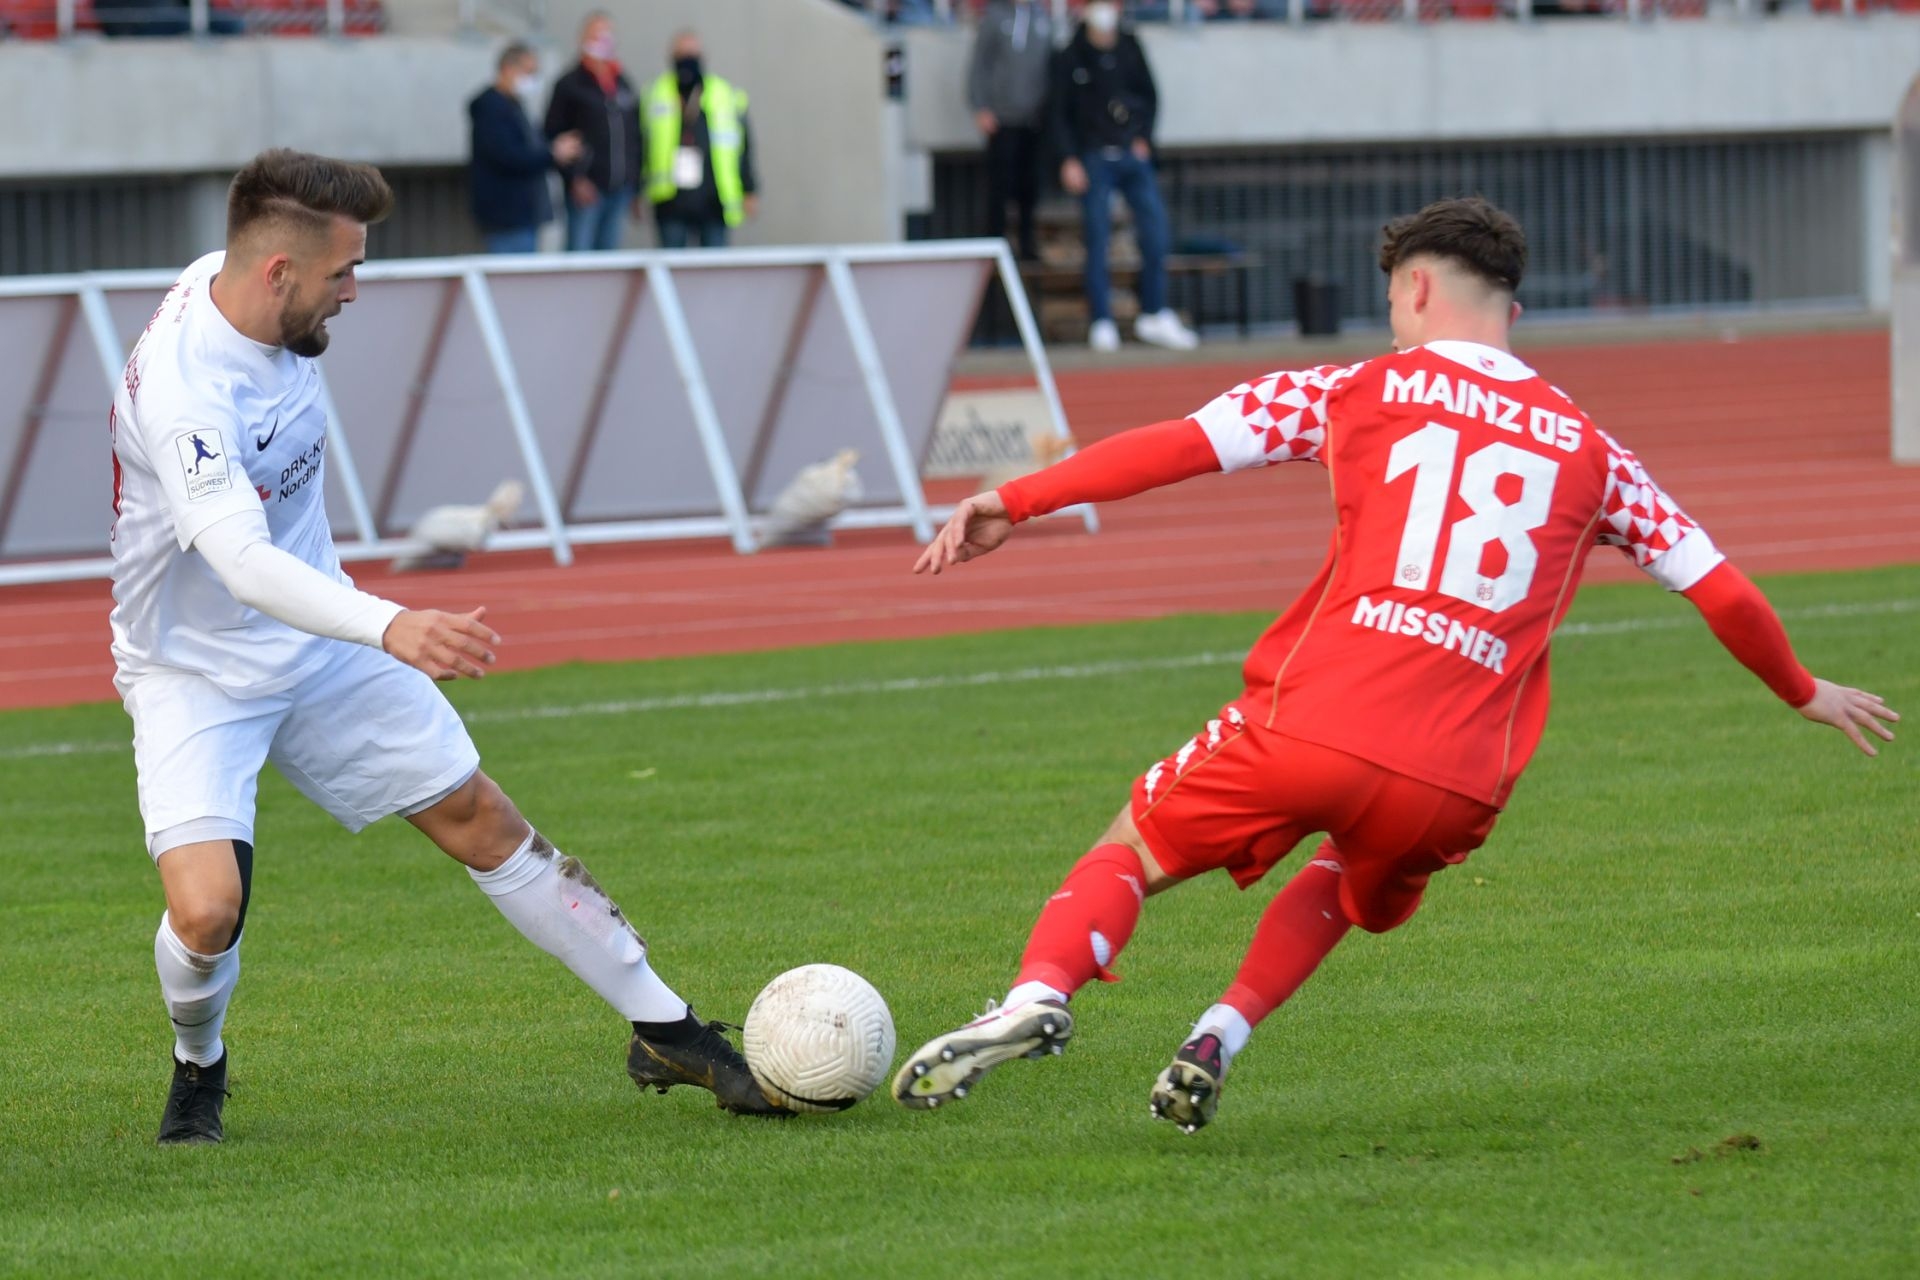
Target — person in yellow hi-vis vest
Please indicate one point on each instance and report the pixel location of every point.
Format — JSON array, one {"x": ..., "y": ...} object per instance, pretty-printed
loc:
[{"x": 699, "y": 152}]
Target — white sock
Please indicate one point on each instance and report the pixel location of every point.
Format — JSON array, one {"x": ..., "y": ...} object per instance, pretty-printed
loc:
[
  {"x": 1028, "y": 991},
  {"x": 1230, "y": 1025},
  {"x": 196, "y": 989},
  {"x": 551, "y": 899}
]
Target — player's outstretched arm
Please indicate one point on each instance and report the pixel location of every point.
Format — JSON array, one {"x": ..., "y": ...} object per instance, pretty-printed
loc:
[
  {"x": 444, "y": 645},
  {"x": 1105, "y": 471},
  {"x": 1743, "y": 621},
  {"x": 239, "y": 549},
  {"x": 977, "y": 525},
  {"x": 1850, "y": 711}
]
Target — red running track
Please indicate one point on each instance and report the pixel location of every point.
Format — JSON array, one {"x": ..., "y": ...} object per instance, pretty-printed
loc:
[{"x": 1777, "y": 445}]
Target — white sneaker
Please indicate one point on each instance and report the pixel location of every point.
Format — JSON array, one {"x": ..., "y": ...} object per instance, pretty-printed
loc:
[
  {"x": 948, "y": 1066},
  {"x": 1104, "y": 335},
  {"x": 1163, "y": 328}
]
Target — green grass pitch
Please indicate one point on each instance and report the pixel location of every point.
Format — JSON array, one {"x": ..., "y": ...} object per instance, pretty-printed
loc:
[{"x": 1698, "y": 921}]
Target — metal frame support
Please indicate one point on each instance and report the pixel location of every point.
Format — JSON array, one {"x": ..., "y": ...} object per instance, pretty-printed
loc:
[
  {"x": 1036, "y": 353},
  {"x": 495, "y": 338},
  {"x": 835, "y": 268},
  {"x": 106, "y": 340},
  {"x": 886, "y": 412},
  {"x": 706, "y": 419},
  {"x": 199, "y": 17},
  {"x": 341, "y": 456}
]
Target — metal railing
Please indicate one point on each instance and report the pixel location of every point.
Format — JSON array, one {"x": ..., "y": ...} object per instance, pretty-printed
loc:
[
  {"x": 63, "y": 19},
  {"x": 863, "y": 356},
  {"x": 1614, "y": 226},
  {"x": 946, "y": 12}
]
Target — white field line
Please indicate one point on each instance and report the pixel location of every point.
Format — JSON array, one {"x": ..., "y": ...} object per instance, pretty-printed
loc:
[{"x": 970, "y": 679}]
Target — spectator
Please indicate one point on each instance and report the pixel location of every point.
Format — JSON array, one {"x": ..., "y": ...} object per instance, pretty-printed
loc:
[
  {"x": 595, "y": 101},
  {"x": 699, "y": 152},
  {"x": 1007, "y": 89},
  {"x": 511, "y": 160},
  {"x": 1103, "y": 108}
]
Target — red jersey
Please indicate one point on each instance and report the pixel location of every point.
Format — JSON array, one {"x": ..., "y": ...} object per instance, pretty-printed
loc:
[{"x": 1468, "y": 494}]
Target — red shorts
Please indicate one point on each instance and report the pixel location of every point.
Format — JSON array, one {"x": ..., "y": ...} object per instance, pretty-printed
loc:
[{"x": 1239, "y": 798}]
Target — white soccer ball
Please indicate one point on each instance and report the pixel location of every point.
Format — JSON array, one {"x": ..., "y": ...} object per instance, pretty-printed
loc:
[{"x": 819, "y": 1037}]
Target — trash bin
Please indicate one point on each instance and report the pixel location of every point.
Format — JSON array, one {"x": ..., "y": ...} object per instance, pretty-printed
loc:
[{"x": 1316, "y": 306}]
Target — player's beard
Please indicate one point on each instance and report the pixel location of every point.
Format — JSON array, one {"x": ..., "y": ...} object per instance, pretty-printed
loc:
[{"x": 303, "y": 330}]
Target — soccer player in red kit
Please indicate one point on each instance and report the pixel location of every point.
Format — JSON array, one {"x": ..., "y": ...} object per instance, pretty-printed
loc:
[{"x": 1394, "y": 705}]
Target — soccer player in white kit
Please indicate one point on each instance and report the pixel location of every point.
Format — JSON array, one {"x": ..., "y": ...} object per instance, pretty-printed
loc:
[{"x": 238, "y": 640}]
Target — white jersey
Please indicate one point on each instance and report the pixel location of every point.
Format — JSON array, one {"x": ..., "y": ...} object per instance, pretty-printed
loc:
[{"x": 206, "y": 424}]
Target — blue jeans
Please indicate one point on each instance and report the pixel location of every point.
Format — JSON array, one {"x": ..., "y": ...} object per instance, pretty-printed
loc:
[
  {"x": 1134, "y": 179},
  {"x": 524, "y": 240},
  {"x": 597, "y": 225},
  {"x": 678, "y": 233}
]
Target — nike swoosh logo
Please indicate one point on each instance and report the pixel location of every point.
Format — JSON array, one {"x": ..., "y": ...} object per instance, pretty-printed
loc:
[{"x": 259, "y": 443}]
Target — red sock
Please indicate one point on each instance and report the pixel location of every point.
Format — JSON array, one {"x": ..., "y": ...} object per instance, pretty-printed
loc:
[
  {"x": 1299, "y": 927},
  {"x": 1084, "y": 926}
]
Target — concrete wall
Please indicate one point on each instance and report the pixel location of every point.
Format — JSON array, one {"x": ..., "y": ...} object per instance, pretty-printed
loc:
[
  {"x": 179, "y": 106},
  {"x": 828, "y": 161},
  {"x": 838, "y": 162},
  {"x": 1267, "y": 84}
]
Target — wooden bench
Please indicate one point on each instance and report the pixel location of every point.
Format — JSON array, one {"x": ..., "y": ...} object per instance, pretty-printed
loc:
[{"x": 1057, "y": 290}]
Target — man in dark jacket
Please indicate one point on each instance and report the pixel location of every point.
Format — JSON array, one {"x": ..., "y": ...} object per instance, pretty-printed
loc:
[
  {"x": 1103, "y": 109},
  {"x": 1007, "y": 90},
  {"x": 511, "y": 160},
  {"x": 595, "y": 100}
]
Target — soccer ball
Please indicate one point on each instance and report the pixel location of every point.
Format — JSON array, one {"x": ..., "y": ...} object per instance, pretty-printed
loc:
[{"x": 819, "y": 1038}]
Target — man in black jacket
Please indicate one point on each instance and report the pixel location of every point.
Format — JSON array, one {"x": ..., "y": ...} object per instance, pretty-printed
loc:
[
  {"x": 511, "y": 160},
  {"x": 1103, "y": 108},
  {"x": 596, "y": 101}
]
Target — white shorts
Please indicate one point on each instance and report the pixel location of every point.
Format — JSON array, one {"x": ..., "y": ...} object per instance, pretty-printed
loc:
[{"x": 362, "y": 737}]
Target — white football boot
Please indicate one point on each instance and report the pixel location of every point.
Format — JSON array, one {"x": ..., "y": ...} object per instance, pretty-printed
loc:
[{"x": 949, "y": 1066}]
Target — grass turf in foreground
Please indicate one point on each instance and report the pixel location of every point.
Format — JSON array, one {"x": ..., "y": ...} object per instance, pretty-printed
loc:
[{"x": 1699, "y": 919}]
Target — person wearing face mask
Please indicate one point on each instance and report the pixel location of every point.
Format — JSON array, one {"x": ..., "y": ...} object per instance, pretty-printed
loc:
[
  {"x": 511, "y": 160},
  {"x": 595, "y": 100},
  {"x": 1103, "y": 109},
  {"x": 699, "y": 152}
]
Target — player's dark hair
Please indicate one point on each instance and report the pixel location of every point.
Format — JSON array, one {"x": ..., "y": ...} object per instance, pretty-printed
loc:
[
  {"x": 515, "y": 52},
  {"x": 303, "y": 191},
  {"x": 1472, "y": 232}
]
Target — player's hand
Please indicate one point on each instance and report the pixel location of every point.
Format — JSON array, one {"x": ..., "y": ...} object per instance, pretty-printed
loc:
[
  {"x": 1850, "y": 711},
  {"x": 444, "y": 645},
  {"x": 977, "y": 526},
  {"x": 1142, "y": 149},
  {"x": 1073, "y": 176},
  {"x": 584, "y": 192},
  {"x": 567, "y": 148},
  {"x": 986, "y": 122}
]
